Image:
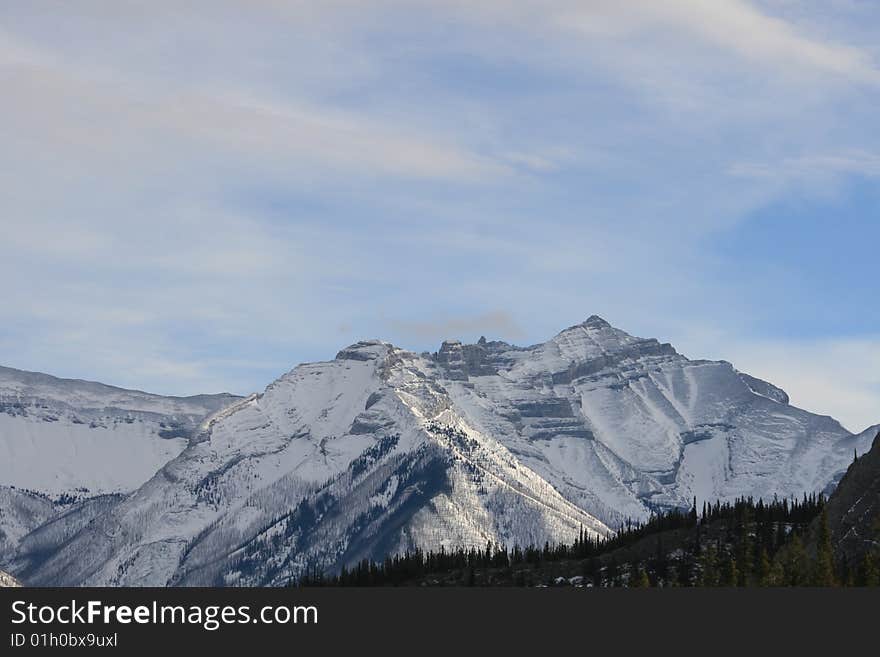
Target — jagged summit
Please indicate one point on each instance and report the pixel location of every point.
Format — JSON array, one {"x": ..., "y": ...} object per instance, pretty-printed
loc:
[
  {"x": 594, "y": 324},
  {"x": 600, "y": 331},
  {"x": 596, "y": 321}
]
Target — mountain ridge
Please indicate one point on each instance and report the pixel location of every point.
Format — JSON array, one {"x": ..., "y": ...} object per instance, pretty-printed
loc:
[
  {"x": 54, "y": 432},
  {"x": 383, "y": 450},
  {"x": 63, "y": 441},
  {"x": 32, "y": 377}
]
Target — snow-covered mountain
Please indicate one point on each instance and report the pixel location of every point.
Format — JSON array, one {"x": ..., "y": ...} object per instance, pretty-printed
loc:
[
  {"x": 382, "y": 450},
  {"x": 356, "y": 457},
  {"x": 61, "y": 436},
  {"x": 64, "y": 441}
]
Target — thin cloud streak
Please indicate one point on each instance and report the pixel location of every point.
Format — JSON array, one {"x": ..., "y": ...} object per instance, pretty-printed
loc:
[
  {"x": 109, "y": 119},
  {"x": 812, "y": 167}
]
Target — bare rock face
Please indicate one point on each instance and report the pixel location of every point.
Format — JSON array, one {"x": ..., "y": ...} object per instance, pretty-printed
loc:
[
  {"x": 451, "y": 357},
  {"x": 854, "y": 507}
]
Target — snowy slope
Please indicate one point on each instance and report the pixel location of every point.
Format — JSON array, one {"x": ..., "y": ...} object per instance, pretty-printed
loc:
[
  {"x": 382, "y": 450},
  {"x": 20, "y": 512},
  {"x": 32, "y": 541},
  {"x": 62, "y": 441},
  {"x": 61, "y": 436}
]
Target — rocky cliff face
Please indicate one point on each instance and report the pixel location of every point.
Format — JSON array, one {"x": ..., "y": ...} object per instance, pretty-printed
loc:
[{"x": 854, "y": 507}]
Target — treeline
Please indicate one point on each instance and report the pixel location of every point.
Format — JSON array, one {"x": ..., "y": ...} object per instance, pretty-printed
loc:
[{"x": 743, "y": 543}]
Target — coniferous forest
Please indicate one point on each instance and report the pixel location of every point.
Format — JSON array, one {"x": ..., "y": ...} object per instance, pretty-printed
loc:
[{"x": 746, "y": 543}]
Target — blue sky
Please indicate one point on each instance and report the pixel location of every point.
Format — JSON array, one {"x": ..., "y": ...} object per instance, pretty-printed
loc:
[{"x": 200, "y": 195}]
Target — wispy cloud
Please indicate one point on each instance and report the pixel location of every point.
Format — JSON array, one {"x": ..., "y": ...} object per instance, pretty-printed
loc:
[
  {"x": 740, "y": 28},
  {"x": 813, "y": 167},
  {"x": 768, "y": 43},
  {"x": 107, "y": 120},
  {"x": 207, "y": 185}
]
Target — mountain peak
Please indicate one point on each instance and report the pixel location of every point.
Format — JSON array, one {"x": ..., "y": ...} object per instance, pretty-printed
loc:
[
  {"x": 596, "y": 338},
  {"x": 596, "y": 322},
  {"x": 365, "y": 350},
  {"x": 595, "y": 328}
]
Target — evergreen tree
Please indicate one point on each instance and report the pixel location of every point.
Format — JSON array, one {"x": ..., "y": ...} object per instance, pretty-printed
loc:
[
  {"x": 823, "y": 566},
  {"x": 685, "y": 570},
  {"x": 870, "y": 571},
  {"x": 776, "y": 576},
  {"x": 596, "y": 569},
  {"x": 745, "y": 547},
  {"x": 762, "y": 568},
  {"x": 797, "y": 564},
  {"x": 708, "y": 567},
  {"x": 661, "y": 564},
  {"x": 730, "y": 574},
  {"x": 613, "y": 573}
]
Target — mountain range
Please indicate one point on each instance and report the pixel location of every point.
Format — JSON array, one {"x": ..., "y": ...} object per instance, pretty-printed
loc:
[{"x": 383, "y": 450}]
